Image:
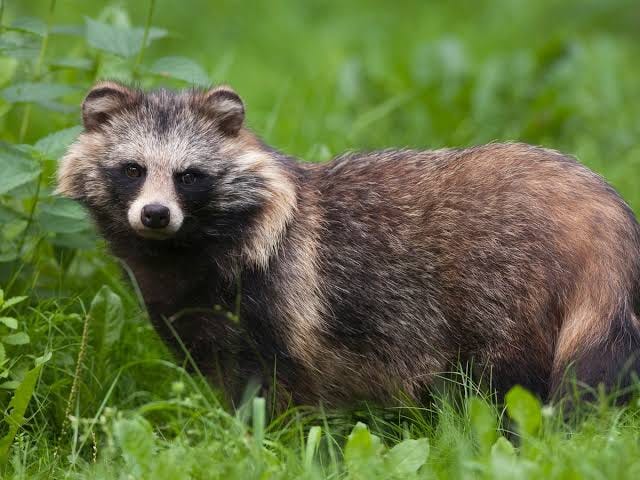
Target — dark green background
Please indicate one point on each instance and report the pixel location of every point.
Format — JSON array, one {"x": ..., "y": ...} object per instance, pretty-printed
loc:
[{"x": 322, "y": 77}]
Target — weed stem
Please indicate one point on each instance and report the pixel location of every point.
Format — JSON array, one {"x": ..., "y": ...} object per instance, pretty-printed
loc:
[
  {"x": 75, "y": 385},
  {"x": 145, "y": 35}
]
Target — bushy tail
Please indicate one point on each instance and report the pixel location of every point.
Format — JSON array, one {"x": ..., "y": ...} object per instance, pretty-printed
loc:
[{"x": 612, "y": 358}]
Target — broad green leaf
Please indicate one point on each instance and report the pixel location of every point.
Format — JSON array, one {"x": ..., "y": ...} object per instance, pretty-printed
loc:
[
  {"x": 503, "y": 448},
  {"x": 116, "y": 15},
  {"x": 122, "y": 41},
  {"x": 181, "y": 68},
  {"x": 10, "y": 322},
  {"x": 55, "y": 144},
  {"x": 74, "y": 63},
  {"x": 107, "y": 319},
  {"x": 57, "y": 106},
  {"x": 38, "y": 92},
  {"x": 30, "y": 25},
  {"x": 44, "y": 358},
  {"x": 8, "y": 214},
  {"x": 20, "y": 46},
  {"x": 9, "y": 385},
  {"x": 3, "y": 354},
  {"x": 362, "y": 448},
  {"x": 407, "y": 457},
  {"x": 525, "y": 409},
  {"x": 503, "y": 462},
  {"x": 20, "y": 338},
  {"x": 1, "y": 296},
  {"x": 13, "y": 229},
  {"x": 10, "y": 302},
  {"x": 156, "y": 33},
  {"x": 62, "y": 216},
  {"x": 18, "y": 407},
  {"x": 119, "y": 40},
  {"x": 75, "y": 30},
  {"x": 85, "y": 239},
  {"x": 17, "y": 168},
  {"x": 483, "y": 423},
  {"x": 137, "y": 443}
]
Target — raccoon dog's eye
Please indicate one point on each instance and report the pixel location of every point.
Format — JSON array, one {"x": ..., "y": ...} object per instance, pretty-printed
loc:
[
  {"x": 132, "y": 170},
  {"x": 188, "y": 178}
]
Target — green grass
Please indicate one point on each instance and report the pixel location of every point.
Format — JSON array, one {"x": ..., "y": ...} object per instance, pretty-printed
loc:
[{"x": 100, "y": 395}]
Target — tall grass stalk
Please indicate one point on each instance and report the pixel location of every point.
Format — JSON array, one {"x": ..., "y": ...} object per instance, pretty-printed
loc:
[
  {"x": 75, "y": 384},
  {"x": 37, "y": 68},
  {"x": 145, "y": 36}
]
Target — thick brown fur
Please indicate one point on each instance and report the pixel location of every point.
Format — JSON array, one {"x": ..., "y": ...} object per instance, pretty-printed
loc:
[{"x": 364, "y": 278}]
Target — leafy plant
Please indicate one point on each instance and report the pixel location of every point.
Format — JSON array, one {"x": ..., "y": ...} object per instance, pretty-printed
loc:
[
  {"x": 17, "y": 408},
  {"x": 525, "y": 409},
  {"x": 34, "y": 216},
  {"x": 10, "y": 336},
  {"x": 366, "y": 456}
]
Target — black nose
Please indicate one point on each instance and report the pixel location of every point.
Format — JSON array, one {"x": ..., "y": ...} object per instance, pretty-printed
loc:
[{"x": 155, "y": 216}]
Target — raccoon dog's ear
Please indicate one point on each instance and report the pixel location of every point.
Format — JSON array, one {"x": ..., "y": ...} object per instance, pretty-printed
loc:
[
  {"x": 102, "y": 101},
  {"x": 226, "y": 108}
]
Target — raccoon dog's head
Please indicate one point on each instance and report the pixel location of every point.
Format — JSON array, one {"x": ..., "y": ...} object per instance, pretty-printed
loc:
[{"x": 176, "y": 167}]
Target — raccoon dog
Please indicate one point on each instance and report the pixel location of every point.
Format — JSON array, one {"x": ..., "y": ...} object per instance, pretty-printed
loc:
[{"x": 366, "y": 277}]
